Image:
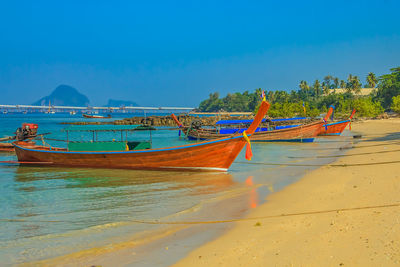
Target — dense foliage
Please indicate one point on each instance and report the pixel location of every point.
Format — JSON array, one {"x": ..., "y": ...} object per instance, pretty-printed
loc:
[
  {"x": 388, "y": 87},
  {"x": 396, "y": 104},
  {"x": 317, "y": 98}
]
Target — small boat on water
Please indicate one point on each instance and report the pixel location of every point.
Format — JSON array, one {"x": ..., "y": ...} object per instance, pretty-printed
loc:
[
  {"x": 298, "y": 133},
  {"x": 27, "y": 131},
  {"x": 213, "y": 155},
  {"x": 335, "y": 128},
  {"x": 89, "y": 116},
  {"x": 50, "y": 110}
]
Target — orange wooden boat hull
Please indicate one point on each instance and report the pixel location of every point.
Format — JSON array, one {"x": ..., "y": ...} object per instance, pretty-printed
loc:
[
  {"x": 302, "y": 133},
  {"x": 214, "y": 155},
  {"x": 335, "y": 128}
]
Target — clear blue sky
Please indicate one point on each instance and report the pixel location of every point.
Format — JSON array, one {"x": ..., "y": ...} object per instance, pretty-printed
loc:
[{"x": 175, "y": 53}]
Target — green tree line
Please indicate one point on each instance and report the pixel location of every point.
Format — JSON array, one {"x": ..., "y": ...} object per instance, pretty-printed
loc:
[{"x": 317, "y": 97}]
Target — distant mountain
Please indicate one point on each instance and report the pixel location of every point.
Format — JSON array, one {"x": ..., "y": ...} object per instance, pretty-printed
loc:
[
  {"x": 119, "y": 103},
  {"x": 64, "y": 95}
]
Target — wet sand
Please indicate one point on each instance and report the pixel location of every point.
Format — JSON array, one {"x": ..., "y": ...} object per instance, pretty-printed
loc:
[{"x": 334, "y": 216}]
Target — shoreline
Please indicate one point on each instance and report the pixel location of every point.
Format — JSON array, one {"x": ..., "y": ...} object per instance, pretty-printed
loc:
[
  {"x": 165, "y": 247},
  {"x": 240, "y": 240},
  {"x": 333, "y": 215}
]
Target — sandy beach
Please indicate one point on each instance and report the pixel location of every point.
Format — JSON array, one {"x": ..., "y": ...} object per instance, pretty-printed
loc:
[{"x": 334, "y": 216}]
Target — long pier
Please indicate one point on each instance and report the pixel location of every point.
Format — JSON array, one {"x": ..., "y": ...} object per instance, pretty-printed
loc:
[{"x": 87, "y": 109}]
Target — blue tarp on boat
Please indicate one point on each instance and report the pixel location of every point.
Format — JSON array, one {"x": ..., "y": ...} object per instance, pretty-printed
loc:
[
  {"x": 250, "y": 121},
  {"x": 101, "y": 128},
  {"x": 263, "y": 129},
  {"x": 233, "y": 130}
]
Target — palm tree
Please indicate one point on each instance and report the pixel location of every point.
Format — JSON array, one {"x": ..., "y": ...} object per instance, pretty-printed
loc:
[
  {"x": 371, "y": 80},
  {"x": 342, "y": 84},
  {"x": 356, "y": 85},
  {"x": 327, "y": 80},
  {"x": 258, "y": 92},
  {"x": 301, "y": 85},
  {"x": 271, "y": 96},
  {"x": 304, "y": 86},
  {"x": 336, "y": 82},
  {"x": 325, "y": 88},
  {"x": 307, "y": 88},
  {"x": 349, "y": 85},
  {"x": 317, "y": 88},
  {"x": 353, "y": 84}
]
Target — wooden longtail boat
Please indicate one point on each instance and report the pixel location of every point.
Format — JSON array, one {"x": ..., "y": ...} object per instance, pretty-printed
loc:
[
  {"x": 214, "y": 155},
  {"x": 302, "y": 133},
  {"x": 336, "y": 128},
  {"x": 96, "y": 116}
]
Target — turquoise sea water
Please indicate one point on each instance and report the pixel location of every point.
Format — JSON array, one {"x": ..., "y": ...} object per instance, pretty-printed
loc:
[{"x": 53, "y": 211}]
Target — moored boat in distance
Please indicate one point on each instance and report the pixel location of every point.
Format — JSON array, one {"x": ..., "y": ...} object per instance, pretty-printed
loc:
[
  {"x": 27, "y": 131},
  {"x": 50, "y": 110},
  {"x": 300, "y": 133},
  {"x": 213, "y": 155},
  {"x": 89, "y": 116}
]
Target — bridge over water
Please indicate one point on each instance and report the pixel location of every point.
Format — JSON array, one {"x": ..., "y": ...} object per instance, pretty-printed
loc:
[{"x": 53, "y": 109}]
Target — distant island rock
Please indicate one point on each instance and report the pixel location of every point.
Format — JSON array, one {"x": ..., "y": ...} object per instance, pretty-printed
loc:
[
  {"x": 64, "y": 95},
  {"x": 120, "y": 103}
]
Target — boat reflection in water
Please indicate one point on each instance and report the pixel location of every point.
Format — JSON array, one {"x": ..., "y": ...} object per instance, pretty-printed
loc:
[
  {"x": 104, "y": 195},
  {"x": 85, "y": 177},
  {"x": 62, "y": 210}
]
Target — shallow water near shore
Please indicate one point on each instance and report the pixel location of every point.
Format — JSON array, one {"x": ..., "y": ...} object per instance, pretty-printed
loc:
[{"x": 52, "y": 211}]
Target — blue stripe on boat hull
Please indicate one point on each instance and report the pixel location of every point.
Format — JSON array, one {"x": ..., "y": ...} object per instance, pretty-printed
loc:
[
  {"x": 333, "y": 123},
  {"x": 335, "y": 134},
  {"x": 132, "y": 151},
  {"x": 304, "y": 140}
]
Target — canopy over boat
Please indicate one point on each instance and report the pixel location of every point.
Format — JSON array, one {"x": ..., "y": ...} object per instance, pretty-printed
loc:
[
  {"x": 106, "y": 128},
  {"x": 95, "y": 145}
]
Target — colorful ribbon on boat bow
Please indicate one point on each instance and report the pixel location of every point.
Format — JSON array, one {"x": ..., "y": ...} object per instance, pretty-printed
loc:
[
  {"x": 249, "y": 153},
  {"x": 263, "y": 96},
  {"x": 351, "y": 116},
  {"x": 177, "y": 122},
  {"x": 326, "y": 126},
  {"x": 333, "y": 111}
]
